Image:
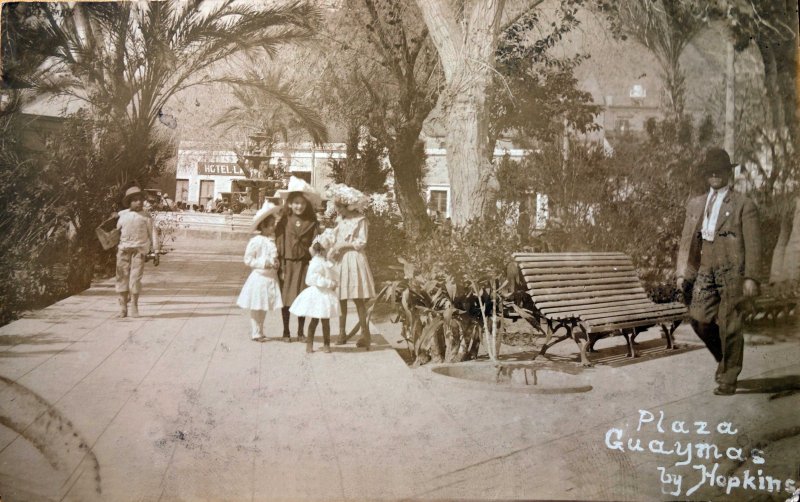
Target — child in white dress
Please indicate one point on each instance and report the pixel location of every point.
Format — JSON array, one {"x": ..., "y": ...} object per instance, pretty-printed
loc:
[
  {"x": 355, "y": 277},
  {"x": 261, "y": 292},
  {"x": 319, "y": 300}
]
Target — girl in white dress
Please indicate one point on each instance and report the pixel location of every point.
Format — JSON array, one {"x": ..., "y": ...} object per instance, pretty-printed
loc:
[
  {"x": 261, "y": 292},
  {"x": 319, "y": 300},
  {"x": 355, "y": 276}
]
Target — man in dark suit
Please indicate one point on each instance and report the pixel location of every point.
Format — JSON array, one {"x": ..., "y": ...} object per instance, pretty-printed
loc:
[{"x": 719, "y": 263}]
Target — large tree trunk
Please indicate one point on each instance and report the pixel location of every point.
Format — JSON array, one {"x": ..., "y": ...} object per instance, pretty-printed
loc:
[
  {"x": 406, "y": 158},
  {"x": 467, "y": 142},
  {"x": 466, "y": 49}
]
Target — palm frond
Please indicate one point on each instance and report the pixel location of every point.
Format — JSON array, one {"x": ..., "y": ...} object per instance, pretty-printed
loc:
[{"x": 265, "y": 95}]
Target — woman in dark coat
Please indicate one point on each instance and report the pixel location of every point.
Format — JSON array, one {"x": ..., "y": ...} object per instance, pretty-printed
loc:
[{"x": 294, "y": 235}]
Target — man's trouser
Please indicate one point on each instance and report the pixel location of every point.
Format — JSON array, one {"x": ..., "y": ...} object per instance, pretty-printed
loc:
[
  {"x": 130, "y": 268},
  {"x": 716, "y": 317}
]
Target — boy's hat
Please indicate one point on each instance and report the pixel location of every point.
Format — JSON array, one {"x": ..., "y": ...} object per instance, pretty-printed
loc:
[
  {"x": 134, "y": 190},
  {"x": 301, "y": 186},
  {"x": 716, "y": 160},
  {"x": 268, "y": 209}
]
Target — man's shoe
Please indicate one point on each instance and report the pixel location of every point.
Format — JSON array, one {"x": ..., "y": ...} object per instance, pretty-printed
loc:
[
  {"x": 342, "y": 339},
  {"x": 725, "y": 390}
]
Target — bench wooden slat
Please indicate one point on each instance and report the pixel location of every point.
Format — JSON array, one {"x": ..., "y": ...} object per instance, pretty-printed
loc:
[
  {"x": 643, "y": 312},
  {"x": 577, "y": 263},
  {"x": 576, "y": 253},
  {"x": 535, "y": 278},
  {"x": 576, "y": 270},
  {"x": 542, "y": 306},
  {"x": 606, "y": 328},
  {"x": 644, "y": 316},
  {"x": 544, "y": 298},
  {"x": 565, "y": 282},
  {"x": 598, "y": 288},
  {"x": 609, "y": 308}
]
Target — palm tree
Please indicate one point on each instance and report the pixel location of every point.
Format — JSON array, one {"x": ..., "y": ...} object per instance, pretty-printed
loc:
[
  {"x": 269, "y": 110},
  {"x": 665, "y": 28},
  {"x": 127, "y": 59}
]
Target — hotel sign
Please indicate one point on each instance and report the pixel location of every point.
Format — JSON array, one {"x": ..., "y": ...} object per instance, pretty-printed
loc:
[{"x": 219, "y": 169}]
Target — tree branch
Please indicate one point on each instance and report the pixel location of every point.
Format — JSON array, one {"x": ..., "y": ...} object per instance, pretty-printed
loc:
[
  {"x": 447, "y": 35},
  {"x": 511, "y": 22}
]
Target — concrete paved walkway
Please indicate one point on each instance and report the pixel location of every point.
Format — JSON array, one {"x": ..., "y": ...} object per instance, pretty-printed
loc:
[{"x": 180, "y": 405}]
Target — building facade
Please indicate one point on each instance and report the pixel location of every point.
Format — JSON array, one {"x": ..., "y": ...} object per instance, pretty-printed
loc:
[{"x": 205, "y": 172}]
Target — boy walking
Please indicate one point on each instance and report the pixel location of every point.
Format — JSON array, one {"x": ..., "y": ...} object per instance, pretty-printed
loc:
[{"x": 135, "y": 241}]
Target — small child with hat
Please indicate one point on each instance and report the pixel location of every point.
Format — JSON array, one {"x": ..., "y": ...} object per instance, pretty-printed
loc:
[
  {"x": 261, "y": 292},
  {"x": 320, "y": 300},
  {"x": 136, "y": 239}
]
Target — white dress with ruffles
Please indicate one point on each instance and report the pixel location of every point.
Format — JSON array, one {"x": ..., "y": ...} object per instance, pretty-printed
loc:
[
  {"x": 261, "y": 291},
  {"x": 355, "y": 276},
  {"x": 319, "y": 300}
]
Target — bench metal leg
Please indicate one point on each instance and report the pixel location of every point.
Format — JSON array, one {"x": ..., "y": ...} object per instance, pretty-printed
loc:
[
  {"x": 583, "y": 343},
  {"x": 551, "y": 331},
  {"x": 584, "y": 357},
  {"x": 629, "y": 335},
  {"x": 668, "y": 334}
]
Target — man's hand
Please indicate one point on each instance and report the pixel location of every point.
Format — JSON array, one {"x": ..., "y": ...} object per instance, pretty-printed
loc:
[{"x": 750, "y": 288}]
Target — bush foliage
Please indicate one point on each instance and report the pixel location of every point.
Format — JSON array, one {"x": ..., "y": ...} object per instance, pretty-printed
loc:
[{"x": 52, "y": 199}]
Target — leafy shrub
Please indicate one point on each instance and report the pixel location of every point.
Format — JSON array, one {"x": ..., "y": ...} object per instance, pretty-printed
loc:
[
  {"x": 452, "y": 290},
  {"x": 632, "y": 201}
]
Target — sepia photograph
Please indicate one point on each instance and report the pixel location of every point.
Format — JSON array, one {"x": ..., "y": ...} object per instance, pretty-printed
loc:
[{"x": 353, "y": 250}]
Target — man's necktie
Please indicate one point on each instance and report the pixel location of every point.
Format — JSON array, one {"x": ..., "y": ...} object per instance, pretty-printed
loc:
[{"x": 711, "y": 202}]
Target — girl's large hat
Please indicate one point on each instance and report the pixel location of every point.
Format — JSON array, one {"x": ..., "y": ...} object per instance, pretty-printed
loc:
[
  {"x": 134, "y": 190},
  {"x": 268, "y": 209},
  {"x": 354, "y": 199},
  {"x": 301, "y": 186}
]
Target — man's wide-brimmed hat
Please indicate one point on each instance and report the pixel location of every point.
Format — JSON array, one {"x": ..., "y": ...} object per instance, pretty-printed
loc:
[
  {"x": 130, "y": 193},
  {"x": 302, "y": 187},
  {"x": 716, "y": 160},
  {"x": 268, "y": 209}
]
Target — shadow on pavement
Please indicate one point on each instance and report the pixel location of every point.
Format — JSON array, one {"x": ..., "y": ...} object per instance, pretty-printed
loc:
[
  {"x": 772, "y": 385},
  {"x": 180, "y": 315},
  {"x": 10, "y": 342}
]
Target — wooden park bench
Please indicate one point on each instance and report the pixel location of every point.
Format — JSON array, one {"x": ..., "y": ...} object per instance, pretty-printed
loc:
[
  {"x": 591, "y": 296},
  {"x": 774, "y": 303}
]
